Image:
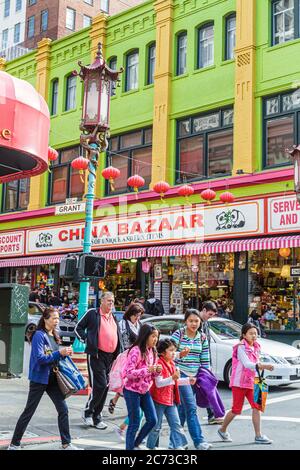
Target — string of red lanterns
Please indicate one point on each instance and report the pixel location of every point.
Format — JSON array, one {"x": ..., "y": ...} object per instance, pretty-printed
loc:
[
  {"x": 111, "y": 174},
  {"x": 161, "y": 188}
]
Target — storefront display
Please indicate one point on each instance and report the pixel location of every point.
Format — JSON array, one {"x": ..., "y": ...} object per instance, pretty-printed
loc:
[{"x": 121, "y": 279}]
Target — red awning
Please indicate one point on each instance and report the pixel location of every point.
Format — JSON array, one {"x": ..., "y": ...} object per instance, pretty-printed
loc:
[
  {"x": 123, "y": 254},
  {"x": 30, "y": 261}
]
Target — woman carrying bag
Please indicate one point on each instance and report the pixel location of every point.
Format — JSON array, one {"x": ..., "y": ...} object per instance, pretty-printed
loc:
[{"x": 45, "y": 353}]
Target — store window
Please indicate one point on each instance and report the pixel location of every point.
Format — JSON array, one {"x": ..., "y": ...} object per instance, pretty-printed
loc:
[
  {"x": 132, "y": 154},
  {"x": 16, "y": 195},
  {"x": 230, "y": 36},
  {"x": 181, "y": 53},
  {"x": 132, "y": 71},
  {"x": 205, "y": 46},
  {"x": 205, "y": 146},
  {"x": 285, "y": 24},
  {"x": 274, "y": 296},
  {"x": 122, "y": 278},
  {"x": 281, "y": 127},
  {"x": 64, "y": 181}
]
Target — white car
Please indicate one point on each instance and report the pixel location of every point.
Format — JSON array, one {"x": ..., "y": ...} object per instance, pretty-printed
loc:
[{"x": 224, "y": 335}]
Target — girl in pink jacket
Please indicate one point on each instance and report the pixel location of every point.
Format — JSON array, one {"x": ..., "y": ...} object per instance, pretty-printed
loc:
[
  {"x": 139, "y": 371},
  {"x": 245, "y": 359}
]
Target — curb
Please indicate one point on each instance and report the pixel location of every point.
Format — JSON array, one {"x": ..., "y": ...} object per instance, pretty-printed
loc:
[{"x": 31, "y": 441}]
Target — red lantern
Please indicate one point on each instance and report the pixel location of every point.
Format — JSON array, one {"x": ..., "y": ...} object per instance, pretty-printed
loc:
[
  {"x": 208, "y": 195},
  {"x": 161, "y": 188},
  {"x": 136, "y": 182},
  {"x": 81, "y": 164},
  {"x": 227, "y": 197},
  {"x": 52, "y": 154},
  {"x": 111, "y": 174},
  {"x": 186, "y": 190},
  {"x": 285, "y": 252}
]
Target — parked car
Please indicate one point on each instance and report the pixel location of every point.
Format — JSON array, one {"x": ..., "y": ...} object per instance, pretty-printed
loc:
[
  {"x": 66, "y": 323},
  {"x": 224, "y": 335}
]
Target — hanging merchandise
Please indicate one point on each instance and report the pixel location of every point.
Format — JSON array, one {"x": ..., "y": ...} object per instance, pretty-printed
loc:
[
  {"x": 208, "y": 195},
  {"x": 186, "y": 190},
  {"x": 146, "y": 266},
  {"x": 161, "y": 188},
  {"x": 111, "y": 174},
  {"x": 136, "y": 182},
  {"x": 119, "y": 268},
  {"x": 227, "y": 197},
  {"x": 81, "y": 164}
]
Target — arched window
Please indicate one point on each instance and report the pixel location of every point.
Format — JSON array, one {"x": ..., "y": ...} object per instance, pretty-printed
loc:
[
  {"x": 181, "y": 53},
  {"x": 230, "y": 36},
  {"x": 132, "y": 71},
  {"x": 54, "y": 96},
  {"x": 206, "y": 46},
  {"x": 151, "y": 63}
]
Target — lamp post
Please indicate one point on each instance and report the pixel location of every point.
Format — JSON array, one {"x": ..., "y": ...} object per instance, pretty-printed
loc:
[
  {"x": 98, "y": 80},
  {"x": 295, "y": 154}
]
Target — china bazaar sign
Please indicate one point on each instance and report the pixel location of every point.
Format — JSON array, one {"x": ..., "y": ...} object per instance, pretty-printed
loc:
[
  {"x": 284, "y": 214},
  {"x": 11, "y": 244},
  {"x": 174, "y": 225},
  {"x": 179, "y": 224}
]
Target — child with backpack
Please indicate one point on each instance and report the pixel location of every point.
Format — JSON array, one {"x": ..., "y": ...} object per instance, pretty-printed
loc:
[
  {"x": 139, "y": 371},
  {"x": 245, "y": 360},
  {"x": 165, "y": 393}
]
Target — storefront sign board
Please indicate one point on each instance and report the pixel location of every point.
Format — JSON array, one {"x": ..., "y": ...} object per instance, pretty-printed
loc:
[
  {"x": 12, "y": 244},
  {"x": 180, "y": 224},
  {"x": 284, "y": 214},
  {"x": 295, "y": 271}
]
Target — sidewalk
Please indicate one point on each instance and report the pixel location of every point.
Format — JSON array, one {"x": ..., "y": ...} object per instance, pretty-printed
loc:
[{"x": 43, "y": 426}]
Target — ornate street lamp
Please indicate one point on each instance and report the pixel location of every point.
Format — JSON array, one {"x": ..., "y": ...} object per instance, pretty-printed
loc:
[
  {"x": 295, "y": 154},
  {"x": 98, "y": 80}
]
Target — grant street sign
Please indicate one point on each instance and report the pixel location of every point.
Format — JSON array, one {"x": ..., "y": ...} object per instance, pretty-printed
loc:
[{"x": 72, "y": 208}]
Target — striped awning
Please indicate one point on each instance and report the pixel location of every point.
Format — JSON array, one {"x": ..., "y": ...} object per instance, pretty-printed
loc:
[
  {"x": 123, "y": 254},
  {"x": 30, "y": 261}
]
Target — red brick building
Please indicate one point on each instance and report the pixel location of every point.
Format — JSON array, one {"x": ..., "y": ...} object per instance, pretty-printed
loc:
[{"x": 59, "y": 18}]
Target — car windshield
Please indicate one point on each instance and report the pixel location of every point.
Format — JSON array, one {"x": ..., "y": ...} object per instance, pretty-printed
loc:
[{"x": 226, "y": 330}]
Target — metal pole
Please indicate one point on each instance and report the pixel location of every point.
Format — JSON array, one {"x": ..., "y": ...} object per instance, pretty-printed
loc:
[{"x": 87, "y": 243}]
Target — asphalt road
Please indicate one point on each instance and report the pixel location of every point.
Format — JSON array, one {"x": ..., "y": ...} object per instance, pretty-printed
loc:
[{"x": 281, "y": 421}]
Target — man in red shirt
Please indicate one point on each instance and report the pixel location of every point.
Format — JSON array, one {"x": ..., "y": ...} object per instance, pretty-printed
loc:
[{"x": 100, "y": 331}]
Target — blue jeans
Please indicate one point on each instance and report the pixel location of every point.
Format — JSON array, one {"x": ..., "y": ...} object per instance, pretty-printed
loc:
[
  {"x": 177, "y": 434},
  {"x": 134, "y": 402},
  {"x": 188, "y": 411}
]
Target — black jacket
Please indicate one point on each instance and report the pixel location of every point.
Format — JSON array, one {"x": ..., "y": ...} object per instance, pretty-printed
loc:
[{"x": 87, "y": 331}]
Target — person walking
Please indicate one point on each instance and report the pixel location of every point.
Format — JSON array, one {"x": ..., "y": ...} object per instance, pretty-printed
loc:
[
  {"x": 209, "y": 310},
  {"x": 154, "y": 306},
  {"x": 139, "y": 371},
  {"x": 130, "y": 326},
  {"x": 99, "y": 329},
  {"x": 165, "y": 394},
  {"x": 45, "y": 353},
  {"x": 245, "y": 359},
  {"x": 193, "y": 341}
]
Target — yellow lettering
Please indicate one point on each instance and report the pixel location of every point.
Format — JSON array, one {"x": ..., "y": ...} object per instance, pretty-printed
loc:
[{"x": 6, "y": 134}]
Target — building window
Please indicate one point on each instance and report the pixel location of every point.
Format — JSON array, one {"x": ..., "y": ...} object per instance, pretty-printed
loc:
[
  {"x": 31, "y": 2},
  {"x": 132, "y": 154},
  {"x": 16, "y": 195},
  {"x": 151, "y": 64},
  {"x": 18, "y": 5},
  {"x": 281, "y": 127},
  {"x": 89, "y": 2},
  {"x": 104, "y": 6},
  {"x": 205, "y": 146},
  {"x": 71, "y": 93},
  {"x": 44, "y": 20},
  {"x": 285, "y": 15},
  {"x": 230, "y": 37},
  {"x": 54, "y": 97},
  {"x": 181, "y": 53},
  {"x": 70, "y": 19},
  {"x": 30, "y": 27},
  {"x": 64, "y": 181},
  {"x": 6, "y": 8},
  {"x": 132, "y": 71},
  {"x": 206, "y": 46},
  {"x": 113, "y": 65},
  {"x": 17, "y": 31},
  {"x": 4, "y": 39},
  {"x": 87, "y": 21}
]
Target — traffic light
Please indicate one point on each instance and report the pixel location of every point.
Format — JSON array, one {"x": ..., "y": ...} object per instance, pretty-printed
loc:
[
  {"x": 91, "y": 266},
  {"x": 68, "y": 267}
]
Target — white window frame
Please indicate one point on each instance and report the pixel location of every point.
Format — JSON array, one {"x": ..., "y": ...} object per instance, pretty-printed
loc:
[
  {"x": 206, "y": 46},
  {"x": 70, "y": 11}
]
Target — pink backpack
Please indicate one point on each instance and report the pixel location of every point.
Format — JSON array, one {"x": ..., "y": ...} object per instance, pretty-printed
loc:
[{"x": 116, "y": 379}]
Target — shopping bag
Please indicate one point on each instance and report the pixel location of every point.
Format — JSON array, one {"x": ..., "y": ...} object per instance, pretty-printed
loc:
[
  {"x": 260, "y": 391},
  {"x": 116, "y": 379},
  {"x": 71, "y": 373}
]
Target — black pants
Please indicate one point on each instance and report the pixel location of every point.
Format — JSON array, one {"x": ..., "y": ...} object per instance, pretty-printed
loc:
[
  {"x": 36, "y": 391},
  {"x": 98, "y": 368}
]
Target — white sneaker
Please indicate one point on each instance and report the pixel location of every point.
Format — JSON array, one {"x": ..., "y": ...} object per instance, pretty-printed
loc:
[
  {"x": 203, "y": 446},
  {"x": 13, "y": 447},
  {"x": 263, "y": 440},
  {"x": 88, "y": 420},
  {"x": 101, "y": 425},
  {"x": 225, "y": 436},
  {"x": 120, "y": 433},
  {"x": 71, "y": 447}
]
